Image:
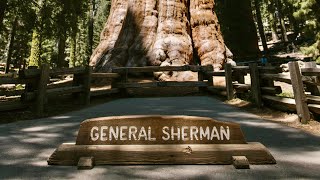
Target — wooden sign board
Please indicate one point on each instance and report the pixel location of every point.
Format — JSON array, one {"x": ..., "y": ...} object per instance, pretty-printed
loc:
[
  {"x": 139, "y": 130},
  {"x": 159, "y": 140}
]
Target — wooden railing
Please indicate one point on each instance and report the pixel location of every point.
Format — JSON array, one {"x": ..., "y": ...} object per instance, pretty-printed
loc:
[
  {"x": 263, "y": 90},
  {"x": 38, "y": 88},
  {"x": 204, "y": 79},
  {"x": 261, "y": 85}
]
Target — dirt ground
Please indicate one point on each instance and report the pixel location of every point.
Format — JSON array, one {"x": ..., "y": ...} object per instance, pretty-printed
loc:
[{"x": 292, "y": 120}]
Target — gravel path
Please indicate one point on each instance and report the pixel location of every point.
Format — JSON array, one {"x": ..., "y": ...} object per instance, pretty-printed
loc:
[{"x": 25, "y": 146}]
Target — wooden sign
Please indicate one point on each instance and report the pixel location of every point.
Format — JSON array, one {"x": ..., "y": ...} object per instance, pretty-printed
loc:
[
  {"x": 159, "y": 140},
  {"x": 158, "y": 130}
]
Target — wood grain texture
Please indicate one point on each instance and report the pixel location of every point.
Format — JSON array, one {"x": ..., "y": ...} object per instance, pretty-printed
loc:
[
  {"x": 271, "y": 90},
  {"x": 103, "y": 91},
  {"x": 255, "y": 85},
  {"x": 192, "y": 68},
  {"x": 229, "y": 83},
  {"x": 156, "y": 123},
  {"x": 69, "y": 154},
  {"x": 298, "y": 90},
  {"x": 105, "y": 75},
  {"x": 310, "y": 71},
  {"x": 86, "y": 163},
  {"x": 277, "y": 77},
  {"x": 314, "y": 89},
  {"x": 315, "y": 108},
  {"x": 240, "y": 162},
  {"x": 313, "y": 99},
  {"x": 87, "y": 152},
  {"x": 162, "y": 84},
  {"x": 31, "y": 73},
  {"x": 42, "y": 88},
  {"x": 286, "y": 104}
]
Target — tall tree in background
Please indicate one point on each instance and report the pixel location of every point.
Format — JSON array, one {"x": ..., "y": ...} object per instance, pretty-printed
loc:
[
  {"x": 61, "y": 32},
  {"x": 272, "y": 19},
  {"x": 101, "y": 15},
  {"x": 309, "y": 12},
  {"x": 91, "y": 28},
  {"x": 238, "y": 27},
  {"x": 73, "y": 32},
  {"x": 289, "y": 9},
  {"x": 3, "y": 6},
  {"x": 260, "y": 26},
  {"x": 35, "y": 54},
  {"x": 10, "y": 44},
  {"x": 279, "y": 6},
  {"x": 15, "y": 34}
]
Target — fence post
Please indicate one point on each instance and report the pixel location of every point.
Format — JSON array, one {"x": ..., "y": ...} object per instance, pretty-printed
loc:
[
  {"x": 87, "y": 85},
  {"x": 209, "y": 69},
  {"x": 255, "y": 84},
  {"x": 30, "y": 86},
  {"x": 267, "y": 82},
  {"x": 312, "y": 88},
  {"x": 123, "y": 78},
  {"x": 300, "y": 97},
  {"x": 229, "y": 83},
  {"x": 42, "y": 89},
  {"x": 201, "y": 77}
]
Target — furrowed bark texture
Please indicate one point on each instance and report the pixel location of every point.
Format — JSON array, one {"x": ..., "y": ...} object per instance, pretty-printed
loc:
[{"x": 161, "y": 33}]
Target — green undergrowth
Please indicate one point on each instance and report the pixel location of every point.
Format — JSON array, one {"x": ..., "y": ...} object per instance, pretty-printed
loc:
[{"x": 286, "y": 95}]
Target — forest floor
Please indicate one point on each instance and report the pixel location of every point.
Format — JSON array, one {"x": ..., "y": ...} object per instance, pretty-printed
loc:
[{"x": 266, "y": 113}]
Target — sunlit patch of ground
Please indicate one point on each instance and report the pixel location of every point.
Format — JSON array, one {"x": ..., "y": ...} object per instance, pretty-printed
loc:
[{"x": 292, "y": 120}]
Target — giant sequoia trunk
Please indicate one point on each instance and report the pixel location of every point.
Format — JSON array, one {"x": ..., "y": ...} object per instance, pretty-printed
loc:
[
  {"x": 161, "y": 33},
  {"x": 238, "y": 27}
]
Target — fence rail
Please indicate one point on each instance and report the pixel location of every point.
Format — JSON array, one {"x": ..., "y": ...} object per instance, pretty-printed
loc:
[{"x": 38, "y": 87}]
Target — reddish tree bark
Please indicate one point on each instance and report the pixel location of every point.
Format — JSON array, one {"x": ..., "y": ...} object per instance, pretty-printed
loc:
[{"x": 161, "y": 33}]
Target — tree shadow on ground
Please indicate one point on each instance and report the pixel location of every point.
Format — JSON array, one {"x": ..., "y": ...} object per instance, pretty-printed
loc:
[{"x": 25, "y": 146}]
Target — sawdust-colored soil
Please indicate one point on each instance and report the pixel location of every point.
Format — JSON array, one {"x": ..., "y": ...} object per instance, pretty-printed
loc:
[{"x": 292, "y": 120}]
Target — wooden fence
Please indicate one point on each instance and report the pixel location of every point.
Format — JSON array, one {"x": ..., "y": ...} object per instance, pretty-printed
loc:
[
  {"x": 304, "y": 83},
  {"x": 261, "y": 87},
  {"x": 38, "y": 87}
]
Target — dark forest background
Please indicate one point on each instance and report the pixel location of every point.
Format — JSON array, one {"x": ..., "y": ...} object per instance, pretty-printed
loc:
[{"x": 63, "y": 33}]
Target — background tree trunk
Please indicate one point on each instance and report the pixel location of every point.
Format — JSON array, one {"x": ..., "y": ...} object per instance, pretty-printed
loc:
[
  {"x": 3, "y": 6},
  {"x": 10, "y": 44},
  {"x": 73, "y": 47},
  {"x": 260, "y": 27},
  {"x": 238, "y": 27},
  {"x": 61, "y": 41},
  {"x": 161, "y": 33},
  {"x": 91, "y": 29},
  {"x": 35, "y": 54},
  {"x": 281, "y": 20}
]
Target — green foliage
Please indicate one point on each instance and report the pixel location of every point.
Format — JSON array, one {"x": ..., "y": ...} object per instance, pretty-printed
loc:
[
  {"x": 286, "y": 95},
  {"x": 301, "y": 17},
  {"x": 35, "y": 55},
  {"x": 102, "y": 13},
  {"x": 20, "y": 87},
  {"x": 41, "y": 23}
]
